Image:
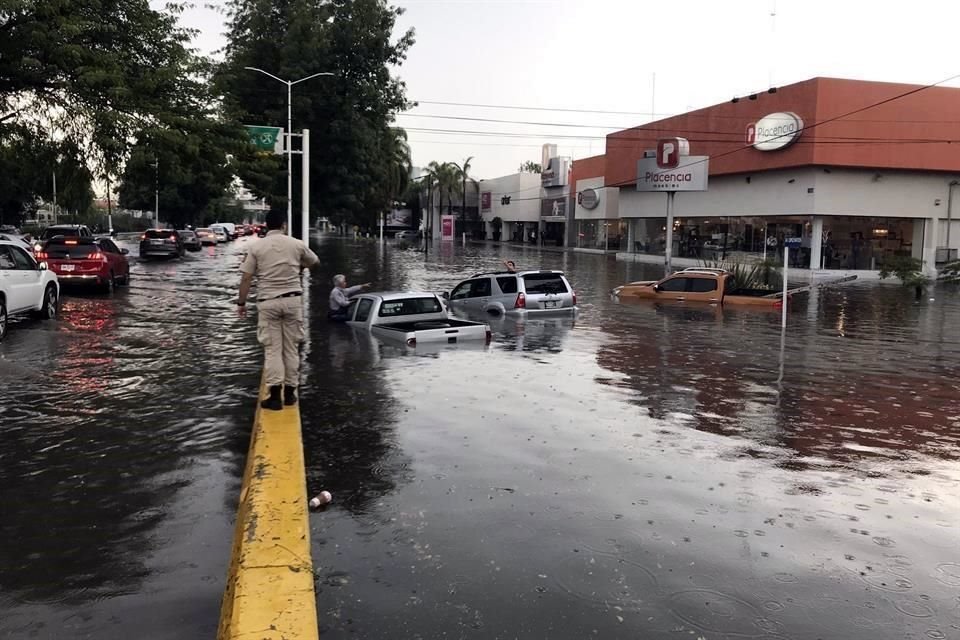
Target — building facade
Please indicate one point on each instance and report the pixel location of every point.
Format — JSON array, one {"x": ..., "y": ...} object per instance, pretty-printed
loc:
[{"x": 859, "y": 171}]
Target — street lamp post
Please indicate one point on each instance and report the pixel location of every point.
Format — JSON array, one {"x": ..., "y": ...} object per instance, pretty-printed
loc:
[
  {"x": 156, "y": 193},
  {"x": 289, "y": 145}
]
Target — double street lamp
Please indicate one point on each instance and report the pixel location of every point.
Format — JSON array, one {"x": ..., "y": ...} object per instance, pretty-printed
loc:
[{"x": 289, "y": 145}]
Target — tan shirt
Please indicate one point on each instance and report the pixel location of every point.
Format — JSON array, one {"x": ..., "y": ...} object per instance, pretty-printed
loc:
[{"x": 276, "y": 261}]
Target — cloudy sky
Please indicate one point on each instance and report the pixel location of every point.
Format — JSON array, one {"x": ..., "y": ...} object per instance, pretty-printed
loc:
[{"x": 571, "y": 62}]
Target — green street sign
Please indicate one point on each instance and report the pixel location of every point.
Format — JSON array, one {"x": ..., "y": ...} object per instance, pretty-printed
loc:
[{"x": 266, "y": 138}]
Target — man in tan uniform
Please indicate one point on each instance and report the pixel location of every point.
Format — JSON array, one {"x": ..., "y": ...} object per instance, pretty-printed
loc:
[{"x": 277, "y": 261}]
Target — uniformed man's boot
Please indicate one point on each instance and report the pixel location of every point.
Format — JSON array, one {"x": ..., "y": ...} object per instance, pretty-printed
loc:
[
  {"x": 289, "y": 395},
  {"x": 273, "y": 403}
]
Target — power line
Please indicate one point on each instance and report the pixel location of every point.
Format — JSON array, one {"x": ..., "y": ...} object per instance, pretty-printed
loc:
[{"x": 557, "y": 109}]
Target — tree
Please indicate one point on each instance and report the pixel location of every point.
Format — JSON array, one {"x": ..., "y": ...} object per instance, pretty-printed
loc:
[
  {"x": 96, "y": 71},
  {"x": 350, "y": 115},
  {"x": 531, "y": 167},
  {"x": 192, "y": 168},
  {"x": 908, "y": 269}
]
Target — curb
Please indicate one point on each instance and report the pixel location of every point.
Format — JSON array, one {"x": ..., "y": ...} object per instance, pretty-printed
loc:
[{"x": 270, "y": 592}]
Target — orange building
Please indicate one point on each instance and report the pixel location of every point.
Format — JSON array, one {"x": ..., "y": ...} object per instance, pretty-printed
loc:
[{"x": 859, "y": 171}]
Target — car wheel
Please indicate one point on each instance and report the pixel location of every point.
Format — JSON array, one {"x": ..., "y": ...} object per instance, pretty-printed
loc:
[
  {"x": 3, "y": 319},
  {"x": 49, "y": 309}
]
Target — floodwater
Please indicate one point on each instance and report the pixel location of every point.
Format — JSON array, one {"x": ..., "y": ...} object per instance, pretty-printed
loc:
[{"x": 638, "y": 471}]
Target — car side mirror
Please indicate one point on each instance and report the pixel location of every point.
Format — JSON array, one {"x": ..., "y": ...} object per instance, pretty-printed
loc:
[
  {"x": 42, "y": 266},
  {"x": 445, "y": 295},
  {"x": 656, "y": 287},
  {"x": 125, "y": 251}
]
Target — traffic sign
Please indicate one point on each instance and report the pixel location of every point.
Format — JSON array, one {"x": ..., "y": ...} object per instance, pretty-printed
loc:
[{"x": 266, "y": 138}]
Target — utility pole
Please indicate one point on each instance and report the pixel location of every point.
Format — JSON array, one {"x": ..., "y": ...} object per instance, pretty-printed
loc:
[
  {"x": 156, "y": 193},
  {"x": 289, "y": 136},
  {"x": 54, "y": 196}
]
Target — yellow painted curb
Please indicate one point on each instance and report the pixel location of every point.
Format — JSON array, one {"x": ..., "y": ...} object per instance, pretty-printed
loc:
[{"x": 269, "y": 593}]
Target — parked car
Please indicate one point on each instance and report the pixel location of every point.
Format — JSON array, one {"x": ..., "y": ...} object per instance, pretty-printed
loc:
[
  {"x": 518, "y": 293},
  {"x": 206, "y": 236},
  {"x": 406, "y": 235},
  {"x": 66, "y": 230},
  {"x": 95, "y": 262},
  {"x": 249, "y": 229},
  {"x": 161, "y": 243},
  {"x": 26, "y": 286},
  {"x": 697, "y": 284},
  {"x": 412, "y": 318},
  {"x": 230, "y": 228},
  {"x": 221, "y": 233},
  {"x": 191, "y": 242}
]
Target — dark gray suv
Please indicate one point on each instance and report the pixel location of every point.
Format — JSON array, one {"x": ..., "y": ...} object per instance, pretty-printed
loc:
[{"x": 521, "y": 292}]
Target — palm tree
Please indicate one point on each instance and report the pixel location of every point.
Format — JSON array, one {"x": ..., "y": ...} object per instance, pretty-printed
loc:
[
  {"x": 399, "y": 158},
  {"x": 463, "y": 173}
]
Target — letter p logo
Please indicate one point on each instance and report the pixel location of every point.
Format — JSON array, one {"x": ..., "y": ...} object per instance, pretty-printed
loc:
[{"x": 668, "y": 152}]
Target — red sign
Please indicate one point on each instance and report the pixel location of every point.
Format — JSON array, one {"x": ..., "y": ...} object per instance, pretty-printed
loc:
[
  {"x": 485, "y": 200},
  {"x": 668, "y": 153},
  {"x": 446, "y": 227}
]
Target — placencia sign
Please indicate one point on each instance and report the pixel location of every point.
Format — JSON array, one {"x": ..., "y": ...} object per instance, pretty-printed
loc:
[
  {"x": 689, "y": 174},
  {"x": 774, "y": 131}
]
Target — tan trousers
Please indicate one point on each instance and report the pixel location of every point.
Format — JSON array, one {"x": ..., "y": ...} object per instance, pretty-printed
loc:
[{"x": 280, "y": 331}]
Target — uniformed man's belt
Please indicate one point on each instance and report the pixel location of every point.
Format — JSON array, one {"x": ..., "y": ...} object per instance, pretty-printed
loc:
[{"x": 292, "y": 294}]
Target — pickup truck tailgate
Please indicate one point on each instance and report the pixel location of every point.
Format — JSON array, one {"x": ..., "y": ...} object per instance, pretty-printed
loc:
[{"x": 452, "y": 333}]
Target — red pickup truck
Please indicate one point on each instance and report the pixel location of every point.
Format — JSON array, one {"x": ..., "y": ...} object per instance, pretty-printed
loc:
[{"x": 713, "y": 286}]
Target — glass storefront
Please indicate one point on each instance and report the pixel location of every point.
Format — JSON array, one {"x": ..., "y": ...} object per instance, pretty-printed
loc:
[
  {"x": 604, "y": 235},
  {"x": 848, "y": 242}
]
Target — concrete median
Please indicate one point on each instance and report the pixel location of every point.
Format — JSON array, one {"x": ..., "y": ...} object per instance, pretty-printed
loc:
[{"x": 270, "y": 590}]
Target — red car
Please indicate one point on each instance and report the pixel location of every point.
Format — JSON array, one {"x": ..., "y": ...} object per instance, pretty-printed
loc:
[{"x": 96, "y": 262}]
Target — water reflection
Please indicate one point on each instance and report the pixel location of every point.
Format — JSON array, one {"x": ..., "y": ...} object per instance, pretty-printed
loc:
[
  {"x": 118, "y": 422},
  {"x": 647, "y": 470}
]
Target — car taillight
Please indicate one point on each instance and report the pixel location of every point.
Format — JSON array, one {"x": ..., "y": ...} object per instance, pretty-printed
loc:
[
  {"x": 574, "y": 298},
  {"x": 172, "y": 238},
  {"x": 143, "y": 237},
  {"x": 69, "y": 242},
  {"x": 489, "y": 336},
  {"x": 96, "y": 255},
  {"x": 411, "y": 342},
  {"x": 42, "y": 255},
  {"x": 521, "y": 301}
]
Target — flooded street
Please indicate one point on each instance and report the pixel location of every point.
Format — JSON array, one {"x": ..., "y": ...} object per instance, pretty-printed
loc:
[{"x": 637, "y": 471}]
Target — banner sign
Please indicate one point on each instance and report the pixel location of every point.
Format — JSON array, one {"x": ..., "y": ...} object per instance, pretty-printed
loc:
[
  {"x": 689, "y": 174},
  {"x": 266, "y": 138}
]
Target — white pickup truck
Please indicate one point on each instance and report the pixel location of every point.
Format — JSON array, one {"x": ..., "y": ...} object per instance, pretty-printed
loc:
[{"x": 412, "y": 318}]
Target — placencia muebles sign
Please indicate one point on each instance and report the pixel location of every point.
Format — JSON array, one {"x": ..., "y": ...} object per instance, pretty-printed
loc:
[{"x": 774, "y": 131}]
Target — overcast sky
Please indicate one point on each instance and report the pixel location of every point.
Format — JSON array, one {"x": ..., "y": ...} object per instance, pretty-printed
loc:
[{"x": 603, "y": 54}]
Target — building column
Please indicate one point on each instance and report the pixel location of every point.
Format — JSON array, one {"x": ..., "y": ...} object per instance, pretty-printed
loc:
[
  {"x": 816, "y": 242},
  {"x": 931, "y": 233},
  {"x": 630, "y": 235}
]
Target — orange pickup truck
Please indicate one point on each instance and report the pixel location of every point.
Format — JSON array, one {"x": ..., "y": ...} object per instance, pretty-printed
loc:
[{"x": 713, "y": 286}]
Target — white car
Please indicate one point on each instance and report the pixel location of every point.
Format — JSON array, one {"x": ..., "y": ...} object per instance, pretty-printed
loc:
[
  {"x": 411, "y": 318},
  {"x": 220, "y": 232},
  {"x": 26, "y": 286}
]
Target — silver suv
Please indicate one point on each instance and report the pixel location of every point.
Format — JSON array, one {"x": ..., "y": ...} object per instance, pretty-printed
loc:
[{"x": 514, "y": 293}]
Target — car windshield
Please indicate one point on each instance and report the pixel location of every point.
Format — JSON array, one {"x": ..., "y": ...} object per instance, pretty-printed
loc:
[
  {"x": 544, "y": 283},
  {"x": 409, "y": 307}
]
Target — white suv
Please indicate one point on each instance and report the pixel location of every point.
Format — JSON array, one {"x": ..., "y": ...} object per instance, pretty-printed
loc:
[
  {"x": 25, "y": 285},
  {"x": 517, "y": 293}
]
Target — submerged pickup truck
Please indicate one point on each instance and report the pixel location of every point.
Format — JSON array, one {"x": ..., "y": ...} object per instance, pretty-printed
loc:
[
  {"x": 713, "y": 286},
  {"x": 412, "y": 318}
]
